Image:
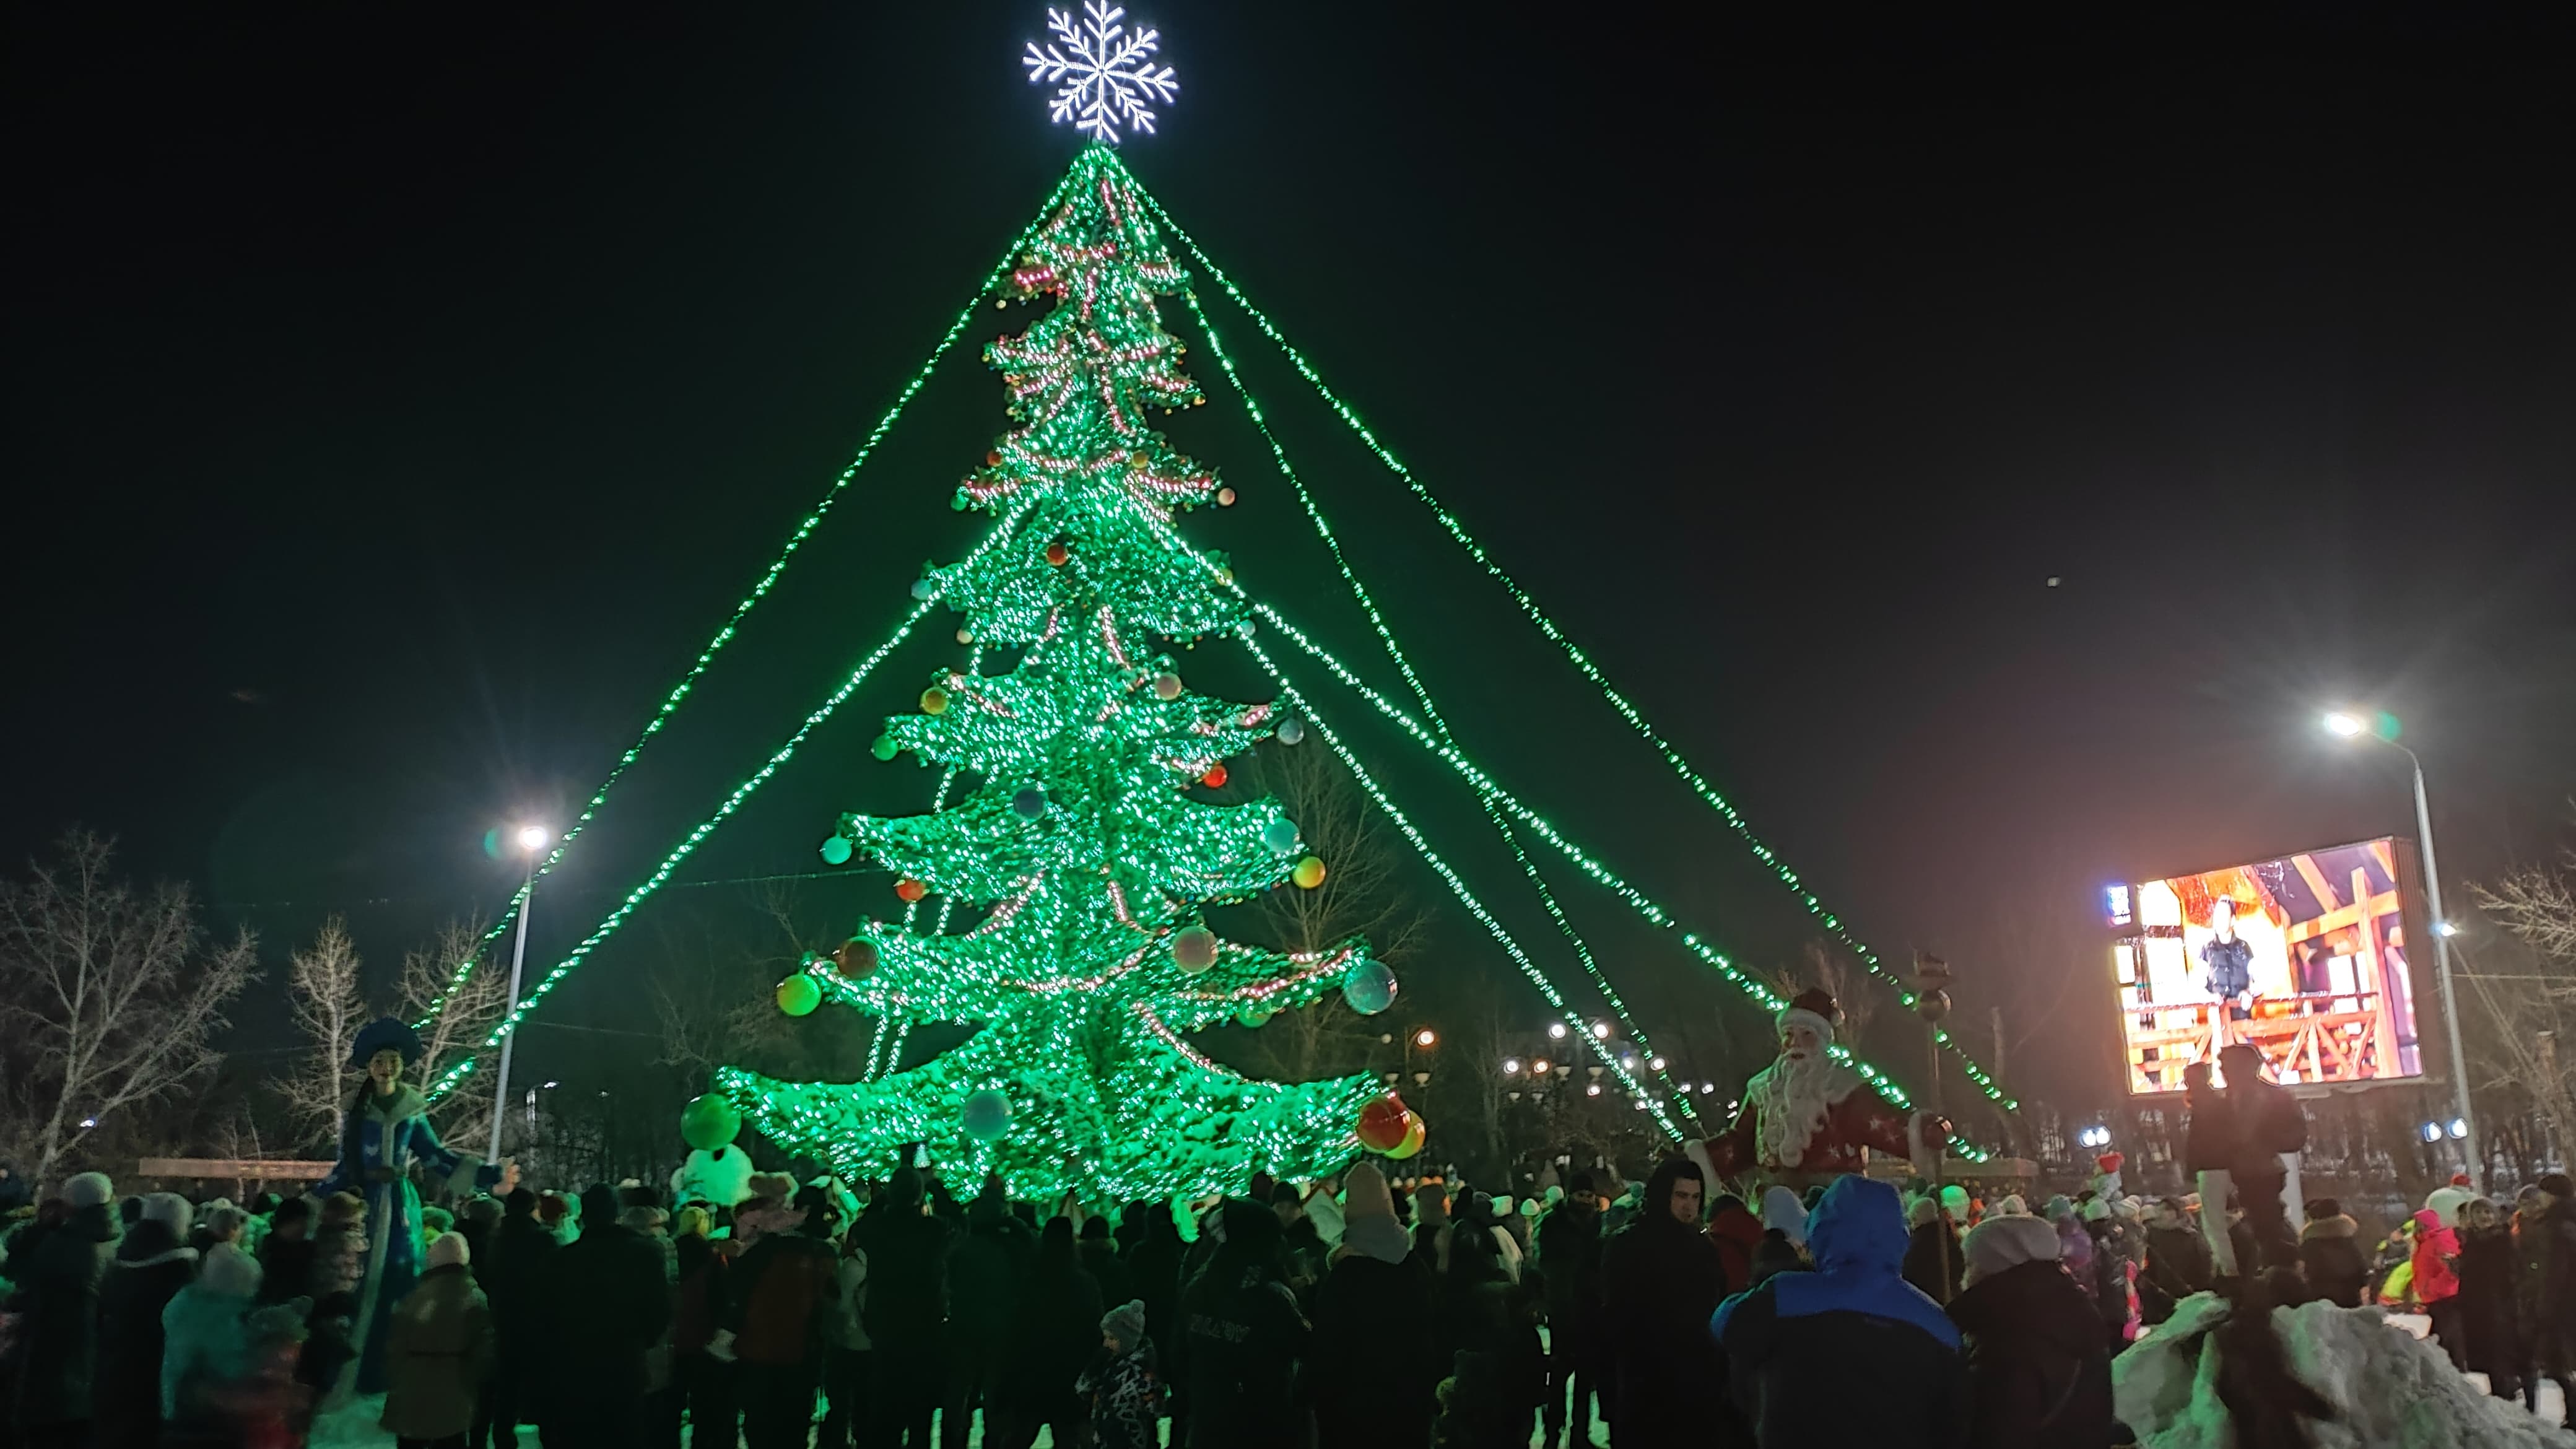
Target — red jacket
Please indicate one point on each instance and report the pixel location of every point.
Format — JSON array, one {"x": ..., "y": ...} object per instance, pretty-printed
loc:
[
  {"x": 2436, "y": 1249},
  {"x": 1737, "y": 1232}
]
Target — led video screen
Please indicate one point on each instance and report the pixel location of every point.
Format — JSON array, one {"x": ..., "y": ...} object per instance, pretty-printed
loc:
[{"x": 2309, "y": 958}]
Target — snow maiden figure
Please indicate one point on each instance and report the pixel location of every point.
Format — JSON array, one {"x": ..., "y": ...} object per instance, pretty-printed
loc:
[{"x": 385, "y": 1130}]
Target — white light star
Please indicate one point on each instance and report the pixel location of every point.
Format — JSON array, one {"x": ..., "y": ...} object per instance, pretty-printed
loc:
[{"x": 1105, "y": 75}]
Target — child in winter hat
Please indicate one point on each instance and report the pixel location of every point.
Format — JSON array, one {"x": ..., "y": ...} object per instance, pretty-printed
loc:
[{"x": 1126, "y": 1397}]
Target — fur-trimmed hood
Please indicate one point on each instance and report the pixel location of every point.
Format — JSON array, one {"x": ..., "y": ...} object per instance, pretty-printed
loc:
[{"x": 2340, "y": 1225}]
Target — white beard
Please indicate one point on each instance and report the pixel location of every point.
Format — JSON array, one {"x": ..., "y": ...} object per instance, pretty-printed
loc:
[{"x": 1789, "y": 1100}]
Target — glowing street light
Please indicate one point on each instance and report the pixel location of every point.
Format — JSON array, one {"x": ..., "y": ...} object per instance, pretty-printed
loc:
[
  {"x": 1426, "y": 1037},
  {"x": 1539, "y": 1068},
  {"x": 532, "y": 840},
  {"x": 1511, "y": 1066},
  {"x": 2340, "y": 723},
  {"x": 1657, "y": 1063},
  {"x": 1593, "y": 1090},
  {"x": 1600, "y": 1031},
  {"x": 1556, "y": 1031},
  {"x": 535, "y": 837}
]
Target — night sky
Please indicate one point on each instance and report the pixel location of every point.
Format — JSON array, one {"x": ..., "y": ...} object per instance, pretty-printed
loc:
[{"x": 399, "y": 397}]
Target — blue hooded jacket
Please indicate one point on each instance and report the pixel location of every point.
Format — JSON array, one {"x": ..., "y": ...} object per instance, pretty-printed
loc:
[{"x": 1794, "y": 1344}]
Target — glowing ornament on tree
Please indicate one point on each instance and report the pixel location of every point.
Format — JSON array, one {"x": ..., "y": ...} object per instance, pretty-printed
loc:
[
  {"x": 856, "y": 958},
  {"x": 1103, "y": 75},
  {"x": 1214, "y": 779},
  {"x": 1225, "y": 498},
  {"x": 923, "y": 588},
  {"x": 885, "y": 748},
  {"x": 836, "y": 851},
  {"x": 709, "y": 1122},
  {"x": 1253, "y": 1017},
  {"x": 1415, "y": 1131},
  {"x": 934, "y": 700},
  {"x": 1029, "y": 802},
  {"x": 1280, "y": 835},
  {"x": 1194, "y": 949},
  {"x": 1291, "y": 730},
  {"x": 1383, "y": 1122},
  {"x": 1167, "y": 686},
  {"x": 987, "y": 1117},
  {"x": 798, "y": 995},
  {"x": 1369, "y": 986},
  {"x": 910, "y": 890},
  {"x": 1308, "y": 874},
  {"x": 1057, "y": 553}
]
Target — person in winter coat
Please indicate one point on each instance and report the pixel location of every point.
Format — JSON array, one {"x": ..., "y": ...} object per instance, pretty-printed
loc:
[
  {"x": 2545, "y": 1297},
  {"x": 1737, "y": 1234},
  {"x": 438, "y": 1351},
  {"x": 986, "y": 1270},
  {"x": 286, "y": 1253},
  {"x": 2330, "y": 1255},
  {"x": 513, "y": 1273},
  {"x": 1933, "y": 1262},
  {"x": 2177, "y": 1261},
  {"x": 1373, "y": 1359},
  {"x": 705, "y": 1382},
  {"x": 59, "y": 1286},
  {"x": 2038, "y": 1377},
  {"x": 2266, "y": 1122},
  {"x": 1660, "y": 1281},
  {"x": 2437, "y": 1282},
  {"x": 1100, "y": 1259},
  {"x": 907, "y": 1304},
  {"x": 2491, "y": 1338},
  {"x": 847, "y": 1374},
  {"x": 153, "y": 1262},
  {"x": 1241, "y": 1341},
  {"x": 1489, "y": 1333},
  {"x": 2074, "y": 1245},
  {"x": 1569, "y": 1267},
  {"x": 1850, "y": 1353},
  {"x": 1302, "y": 1246},
  {"x": 784, "y": 1287},
  {"x": 1125, "y": 1396},
  {"x": 1054, "y": 1337},
  {"x": 1154, "y": 1268},
  {"x": 208, "y": 1346},
  {"x": 338, "y": 1269},
  {"x": 1431, "y": 1225},
  {"x": 608, "y": 1306},
  {"x": 2117, "y": 1252}
]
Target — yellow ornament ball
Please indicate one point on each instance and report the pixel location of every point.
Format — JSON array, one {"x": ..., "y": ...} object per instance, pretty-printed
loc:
[
  {"x": 1308, "y": 874},
  {"x": 934, "y": 700}
]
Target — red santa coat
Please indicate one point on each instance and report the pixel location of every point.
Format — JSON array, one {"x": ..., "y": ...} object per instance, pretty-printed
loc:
[{"x": 1846, "y": 1120}]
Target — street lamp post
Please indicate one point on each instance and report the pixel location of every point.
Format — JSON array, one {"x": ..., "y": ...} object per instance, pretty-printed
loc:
[
  {"x": 531, "y": 839},
  {"x": 2349, "y": 726}
]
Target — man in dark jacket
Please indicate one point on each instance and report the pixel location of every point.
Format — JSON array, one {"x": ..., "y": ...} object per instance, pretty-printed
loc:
[
  {"x": 986, "y": 1268},
  {"x": 1850, "y": 1353},
  {"x": 611, "y": 1304},
  {"x": 2330, "y": 1254},
  {"x": 59, "y": 1287},
  {"x": 1660, "y": 1281},
  {"x": 153, "y": 1263},
  {"x": 1569, "y": 1265},
  {"x": 1241, "y": 1340},
  {"x": 907, "y": 1311},
  {"x": 513, "y": 1276},
  {"x": 2039, "y": 1376},
  {"x": 2545, "y": 1297},
  {"x": 2177, "y": 1261},
  {"x": 2265, "y": 1122}
]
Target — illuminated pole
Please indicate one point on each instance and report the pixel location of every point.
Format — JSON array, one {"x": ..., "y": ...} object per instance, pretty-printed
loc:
[
  {"x": 1932, "y": 1002},
  {"x": 532, "y": 839},
  {"x": 2351, "y": 727}
]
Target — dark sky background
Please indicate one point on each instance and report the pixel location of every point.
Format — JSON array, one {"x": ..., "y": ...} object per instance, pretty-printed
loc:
[{"x": 398, "y": 398}]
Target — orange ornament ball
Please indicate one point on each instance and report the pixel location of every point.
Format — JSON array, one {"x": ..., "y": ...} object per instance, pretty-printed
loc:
[
  {"x": 1383, "y": 1122},
  {"x": 993, "y": 459},
  {"x": 910, "y": 890},
  {"x": 1308, "y": 874},
  {"x": 1225, "y": 498},
  {"x": 1057, "y": 553},
  {"x": 1214, "y": 777}
]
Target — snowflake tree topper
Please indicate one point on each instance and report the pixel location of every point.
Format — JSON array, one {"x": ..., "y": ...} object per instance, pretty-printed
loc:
[{"x": 1103, "y": 75}]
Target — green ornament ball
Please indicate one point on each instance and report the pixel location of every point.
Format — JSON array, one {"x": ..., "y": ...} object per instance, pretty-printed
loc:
[
  {"x": 885, "y": 748},
  {"x": 1253, "y": 1016},
  {"x": 1280, "y": 835},
  {"x": 987, "y": 1117},
  {"x": 836, "y": 850},
  {"x": 798, "y": 995},
  {"x": 709, "y": 1122}
]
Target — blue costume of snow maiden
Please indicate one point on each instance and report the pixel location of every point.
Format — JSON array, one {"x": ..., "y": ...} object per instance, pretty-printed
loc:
[{"x": 380, "y": 1139}]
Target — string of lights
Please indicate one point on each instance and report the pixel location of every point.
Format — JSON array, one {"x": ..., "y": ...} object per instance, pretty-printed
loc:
[
  {"x": 760, "y": 589},
  {"x": 1430, "y": 711},
  {"x": 1582, "y": 661},
  {"x": 698, "y": 834}
]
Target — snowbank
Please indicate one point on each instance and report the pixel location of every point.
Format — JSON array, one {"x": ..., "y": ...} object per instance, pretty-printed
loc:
[{"x": 2393, "y": 1389}]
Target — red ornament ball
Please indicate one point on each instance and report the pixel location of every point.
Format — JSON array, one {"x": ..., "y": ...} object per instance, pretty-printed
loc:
[
  {"x": 910, "y": 889},
  {"x": 1214, "y": 777},
  {"x": 1383, "y": 1123},
  {"x": 1057, "y": 553},
  {"x": 856, "y": 958},
  {"x": 993, "y": 459}
]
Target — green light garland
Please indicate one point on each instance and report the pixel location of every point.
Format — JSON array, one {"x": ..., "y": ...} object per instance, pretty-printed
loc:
[
  {"x": 697, "y": 835},
  {"x": 1582, "y": 661},
  {"x": 759, "y": 590}
]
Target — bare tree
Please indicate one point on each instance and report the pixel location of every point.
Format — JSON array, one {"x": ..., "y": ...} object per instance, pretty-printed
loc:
[
  {"x": 111, "y": 997},
  {"x": 2527, "y": 1008},
  {"x": 452, "y": 1023},
  {"x": 328, "y": 1004}
]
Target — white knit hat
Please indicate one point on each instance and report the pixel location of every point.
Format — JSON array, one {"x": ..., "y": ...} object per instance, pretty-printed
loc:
[
  {"x": 169, "y": 1210},
  {"x": 89, "y": 1189},
  {"x": 448, "y": 1250}
]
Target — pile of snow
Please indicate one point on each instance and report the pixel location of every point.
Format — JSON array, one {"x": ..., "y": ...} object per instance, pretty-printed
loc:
[{"x": 2390, "y": 1387}]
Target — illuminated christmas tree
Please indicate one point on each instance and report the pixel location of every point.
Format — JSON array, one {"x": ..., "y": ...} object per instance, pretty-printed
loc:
[{"x": 1091, "y": 841}]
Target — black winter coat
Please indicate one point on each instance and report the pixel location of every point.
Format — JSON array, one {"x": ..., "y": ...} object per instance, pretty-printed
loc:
[
  {"x": 2178, "y": 1265},
  {"x": 1241, "y": 1344},
  {"x": 1372, "y": 1363},
  {"x": 1569, "y": 1261},
  {"x": 2486, "y": 1303},
  {"x": 611, "y": 1303},
  {"x": 2038, "y": 1374},
  {"x": 59, "y": 1296},
  {"x": 2546, "y": 1290},
  {"x": 286, "y": 1268},
  {"x": 1054, "y": 1338},
  {"x": 985, "y": 1269},
  {"x": 907, "y": 1279},
  {"x": 1155, "y": 1271},
  {"x": 2330, "y": 1256},
  {"x": 1923, "y": 1260},
  {"x": 1100, "y": 1259},
  {"x": 1660, "y": 1281},
  {"x": 151, "y": 1267},
  {"x": 514, "y": 1283}
]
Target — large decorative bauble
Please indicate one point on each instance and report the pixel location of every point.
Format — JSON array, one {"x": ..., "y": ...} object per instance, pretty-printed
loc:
[
  {"x": 1214, "y": 778},
  {"x": 798, "y": 995},
  {"x": 1057, "y": 553},
  {"x": 856, "y": 958},
  {"x": 910, "y": 890},
  {"x": 934, "y": 700},
  {"x": 1253, "y": 1016},
  {"x": 924, "y": 587},
  {"x": 836, "y": 850},
  {"x": 1194, "y": 949},
  {"x": 885, "y": 747},
  {"x": 1225, "y": 498},
  {"x": 1290, "y": 731},
  {"x": 709, "y": 1122},
  {"x": 987, "y": 1117},
  {"x": 965, "y": 636},
  {"x": 1029, "y": 802},
  {"x": 1167, "y": 686},
  {"x": 1280, "y": 835},
  {"x": 1369, "y": 987},
  {"x": 1308, "y": 874},
  {"x": 1382, "y": 1122},
  {"x": 1414, "y": 1133}
]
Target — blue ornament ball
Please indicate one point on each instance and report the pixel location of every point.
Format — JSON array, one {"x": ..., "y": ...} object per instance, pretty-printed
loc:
[
  {"x": 1369, "y": 987},
  {"x": 1291, "y": 730},
  {"x": 1031, "y": 802},
  {"x": 987, "y": 1116},
  {"x": 1280, "y": 835},
  {"x": 836, "y": 851}
]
